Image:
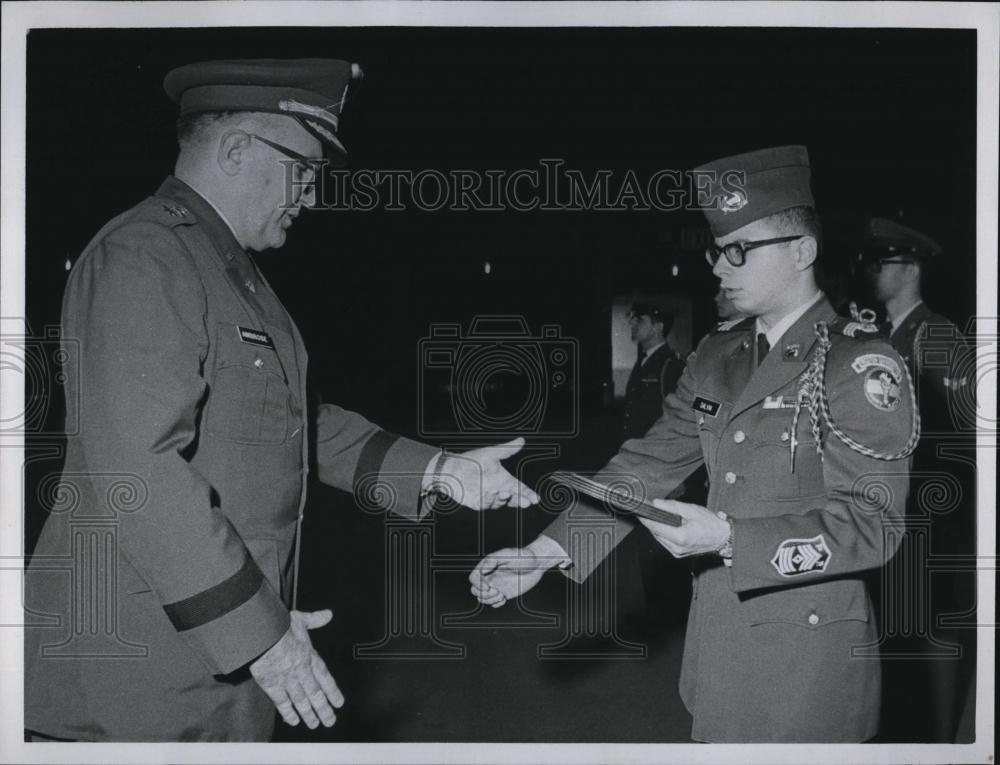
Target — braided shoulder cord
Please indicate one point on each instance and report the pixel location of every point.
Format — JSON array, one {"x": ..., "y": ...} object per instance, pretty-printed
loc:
[{"x": 812, "y": 393}]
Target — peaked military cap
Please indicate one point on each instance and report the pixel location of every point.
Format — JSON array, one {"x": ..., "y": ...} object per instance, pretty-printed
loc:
[
  {"x": 311, "y": 90},
  {"x": 748, "y": 187},
  {"x": 655, "y": 308},
  {"x": 885, "y": 238}
]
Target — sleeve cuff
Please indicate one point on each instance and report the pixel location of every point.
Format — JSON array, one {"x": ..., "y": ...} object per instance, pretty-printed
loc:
[
  {"x": 239, "y": 636},
  {"x": 394, "y": 478},
  {"x": 549, "y": 550}
]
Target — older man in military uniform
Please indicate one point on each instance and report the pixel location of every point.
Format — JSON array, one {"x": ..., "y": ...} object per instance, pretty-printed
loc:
[
  {"x": 191, "y": 387},
  {"x": 805, "y": 422}
]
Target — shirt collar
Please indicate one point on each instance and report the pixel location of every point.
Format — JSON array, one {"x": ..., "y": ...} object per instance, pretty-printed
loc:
[
  {"x": 897, "y": 321},
  {"x": 208, "y": 215},
  {"x": 653, "y": 350},
  {"x": 780, "y": 327}
]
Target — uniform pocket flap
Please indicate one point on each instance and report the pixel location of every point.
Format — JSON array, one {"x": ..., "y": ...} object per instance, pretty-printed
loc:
[{"x": 812, "y": 606}]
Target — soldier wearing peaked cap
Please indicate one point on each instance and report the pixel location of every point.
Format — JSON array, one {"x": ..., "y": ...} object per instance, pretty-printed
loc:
[
  {"x": 805, "y": 422},
  {"x": 657, "y": 367},
  {"x": 896, "y": 260},
  {"x": 190, "y": 387}
]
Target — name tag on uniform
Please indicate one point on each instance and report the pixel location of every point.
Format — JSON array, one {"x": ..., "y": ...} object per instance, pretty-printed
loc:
[
  {"x": 711, "y": 408},
  {"x": 255, "y": 337}
]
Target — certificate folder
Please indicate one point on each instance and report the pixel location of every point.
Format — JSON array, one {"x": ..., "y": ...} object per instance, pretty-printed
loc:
[{"x": 616, "y": 499}]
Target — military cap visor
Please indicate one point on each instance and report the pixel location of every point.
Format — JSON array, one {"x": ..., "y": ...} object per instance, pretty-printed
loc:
[
  {"x": 774, "y": 180},
  {"x": 886, "y": 238},
  {"x": 312, "y": 91}
]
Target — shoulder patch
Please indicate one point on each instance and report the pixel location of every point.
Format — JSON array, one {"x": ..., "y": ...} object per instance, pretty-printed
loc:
[
  {"x": 868, "y": 360},
  {"x": 882, "y": 377}
]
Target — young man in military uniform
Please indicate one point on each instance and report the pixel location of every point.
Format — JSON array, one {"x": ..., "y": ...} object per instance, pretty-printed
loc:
[
  {"x": 924, "y": 687},
  {"x": 805, "y": 422},
  {"x": 657, "y": 367},
  {"x": 190, "y": 390}
]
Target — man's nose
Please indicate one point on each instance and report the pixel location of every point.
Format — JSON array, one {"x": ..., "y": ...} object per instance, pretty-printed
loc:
[{"x": 720, "y": 266}]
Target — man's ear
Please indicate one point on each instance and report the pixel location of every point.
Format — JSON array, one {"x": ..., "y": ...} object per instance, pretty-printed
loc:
[
  {"x": 805, "y": 253},
  {"x": 232, "y": 151}
]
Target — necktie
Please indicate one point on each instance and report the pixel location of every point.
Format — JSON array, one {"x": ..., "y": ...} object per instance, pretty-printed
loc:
[
  {"x": 762, "y": 347},
  {"x": 636, "y": 369}
]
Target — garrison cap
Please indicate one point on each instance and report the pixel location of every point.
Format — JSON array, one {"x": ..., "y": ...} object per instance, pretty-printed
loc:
[
  {"x": 748, "y": 187},
  {"x": 312, "y": 90},
  {"x": 886, "y": 238}
]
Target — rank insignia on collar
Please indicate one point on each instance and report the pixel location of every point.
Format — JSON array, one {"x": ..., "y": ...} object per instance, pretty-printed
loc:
[
  {"x": 175, "y": 210},
  {"x": 801, "y": 556},
  {"x": 792, "y": 351}
]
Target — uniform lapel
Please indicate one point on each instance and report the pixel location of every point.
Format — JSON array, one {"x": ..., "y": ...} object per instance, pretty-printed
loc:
[
  {"x": 738, "y": 366},
  {"x": 787, "y": 360}
]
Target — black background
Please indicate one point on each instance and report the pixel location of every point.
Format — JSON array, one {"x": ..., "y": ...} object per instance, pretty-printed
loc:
[{"x": 888, "y": 117}]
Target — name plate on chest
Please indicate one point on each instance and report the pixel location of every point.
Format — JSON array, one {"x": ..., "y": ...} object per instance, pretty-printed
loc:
[
  {"x": 255, "y": 337},
  {"x": 706, "y": 406}
]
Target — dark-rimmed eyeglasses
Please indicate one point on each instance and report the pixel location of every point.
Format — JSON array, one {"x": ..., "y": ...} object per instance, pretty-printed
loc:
[
  {"x": 736, "y": 252},
  {"x": 306, "y": 168}
]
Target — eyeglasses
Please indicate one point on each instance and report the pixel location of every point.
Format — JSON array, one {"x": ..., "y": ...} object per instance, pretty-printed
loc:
[
  {"x": 875, "y": 266},
  {"x": 305, "y": 168},
  {"x": 736, "y": 252}
]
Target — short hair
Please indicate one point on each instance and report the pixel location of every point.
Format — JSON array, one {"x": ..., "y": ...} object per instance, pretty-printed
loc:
[
  {"x": 192, "y": 128},
  {"x": 800, "y": 220}
]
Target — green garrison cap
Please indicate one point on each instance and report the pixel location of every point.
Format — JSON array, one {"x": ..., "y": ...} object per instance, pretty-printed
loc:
[
  {"x": 888, "y": 238},
  {"x": 751, "y": 186},
  {"x": 312, "y": 90}
]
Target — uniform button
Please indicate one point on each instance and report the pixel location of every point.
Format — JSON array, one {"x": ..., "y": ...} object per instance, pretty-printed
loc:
[
  {"x": 730, "y": 477},
  {"x": 739, "y": 436},
  {"x": 258, "y": 363},
  {"x": 813, "y": 619},
  {"x": 701, "y": 419},
  {"x": 784, "y": 435}
]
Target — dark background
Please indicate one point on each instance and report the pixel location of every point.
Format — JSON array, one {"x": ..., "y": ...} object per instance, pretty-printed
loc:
[{"x": 888, "y": 117}]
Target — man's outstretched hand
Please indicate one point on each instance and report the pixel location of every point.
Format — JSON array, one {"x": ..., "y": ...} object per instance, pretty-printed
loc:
[
  {"x": 294, "y": 676},
  {"x": 477, "y": 480}
]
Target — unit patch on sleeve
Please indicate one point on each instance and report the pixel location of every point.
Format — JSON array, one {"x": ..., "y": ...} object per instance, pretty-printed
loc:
[
  {"x": 882, "y": 379},
  {"x": 801, "y": 556}
]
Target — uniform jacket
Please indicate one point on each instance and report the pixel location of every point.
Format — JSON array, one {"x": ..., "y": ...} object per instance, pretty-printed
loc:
[
  {"x": 190, "y": 461},
  {"x": 942, "y": 366},
  {"x": 647, "y": 387},
  {"x": 768, "y": 652}
]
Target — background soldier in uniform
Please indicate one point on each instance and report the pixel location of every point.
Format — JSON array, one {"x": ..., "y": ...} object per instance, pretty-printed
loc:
[
  {"x": 805, "y": 422},
  {"x": 926, "y": 693},
  {"x": 657, "y": 367},
  {"x": 192, "y": 383}
]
